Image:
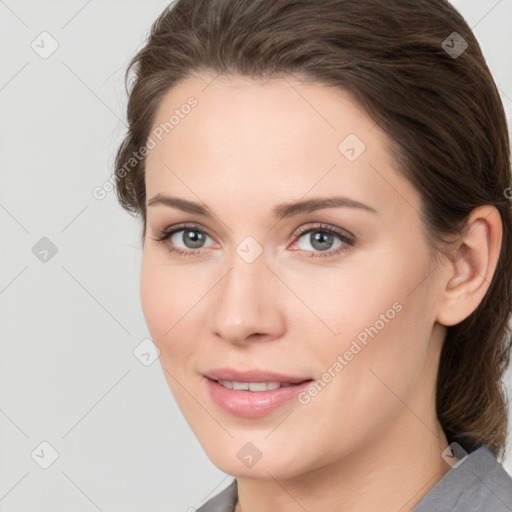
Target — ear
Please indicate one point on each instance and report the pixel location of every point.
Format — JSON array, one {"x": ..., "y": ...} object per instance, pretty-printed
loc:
[{"x": 469, "y": 275}]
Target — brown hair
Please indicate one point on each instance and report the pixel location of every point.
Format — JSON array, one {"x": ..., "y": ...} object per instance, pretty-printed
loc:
[{"x": 442, "y": 112}]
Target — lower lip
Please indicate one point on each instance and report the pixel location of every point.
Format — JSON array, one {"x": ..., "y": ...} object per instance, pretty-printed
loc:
[{"x": 252, "y": 404}]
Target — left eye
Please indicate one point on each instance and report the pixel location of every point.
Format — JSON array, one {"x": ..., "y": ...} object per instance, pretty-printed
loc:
[
  {"x": 323, "y": 239},
  {"x": 319, "y": 240}
]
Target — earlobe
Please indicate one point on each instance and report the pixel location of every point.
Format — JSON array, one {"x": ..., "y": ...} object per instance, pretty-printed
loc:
[{"x": 469, "y": 275}]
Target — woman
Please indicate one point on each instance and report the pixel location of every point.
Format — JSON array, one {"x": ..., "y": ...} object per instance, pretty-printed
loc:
[{"x": 324, "y": 189}]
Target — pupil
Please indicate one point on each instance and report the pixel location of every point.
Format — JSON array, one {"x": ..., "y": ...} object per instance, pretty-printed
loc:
[
  {"x": 323, "y": 239},
  {"x": 193, "y": 241}
]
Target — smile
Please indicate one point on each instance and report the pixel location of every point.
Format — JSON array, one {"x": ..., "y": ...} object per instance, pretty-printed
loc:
[
  {"x": 253, "y": 386},
  {"x": 252, "y": 399}
]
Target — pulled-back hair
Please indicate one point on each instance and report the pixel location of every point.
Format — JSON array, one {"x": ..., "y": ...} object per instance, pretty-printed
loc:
[{"x": 401, "y": 61}]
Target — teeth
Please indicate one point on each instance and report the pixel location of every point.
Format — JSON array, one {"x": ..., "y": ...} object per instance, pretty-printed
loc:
[{"x": 251, "y": 386}]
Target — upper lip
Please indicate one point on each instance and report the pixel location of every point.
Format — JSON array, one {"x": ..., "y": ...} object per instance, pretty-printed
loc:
[{"x": 231, "y": 374}]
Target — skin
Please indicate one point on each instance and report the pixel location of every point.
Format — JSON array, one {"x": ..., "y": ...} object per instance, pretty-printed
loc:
[{"x": 371, "y": 436}]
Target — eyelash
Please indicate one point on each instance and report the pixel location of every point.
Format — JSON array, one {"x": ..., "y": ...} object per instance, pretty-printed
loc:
[{"x": 323, "y": 228}]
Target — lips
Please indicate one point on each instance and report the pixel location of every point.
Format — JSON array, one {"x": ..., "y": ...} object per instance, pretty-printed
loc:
[
  {"x": 253, "y": 404},
  {"x": 230, "y": 374},
  {"x": 252, "y": 393}
]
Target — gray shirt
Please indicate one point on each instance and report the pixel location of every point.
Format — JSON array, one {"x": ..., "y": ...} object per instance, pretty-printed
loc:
[{"x": 478, "y": 484}]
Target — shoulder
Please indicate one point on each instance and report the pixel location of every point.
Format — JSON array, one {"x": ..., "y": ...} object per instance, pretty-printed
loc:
[
  {"x": 479, "y": 484},
  {"x": 224, "y": 501}
]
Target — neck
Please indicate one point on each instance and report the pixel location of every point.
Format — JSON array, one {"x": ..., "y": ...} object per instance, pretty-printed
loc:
[{"x": 390, "y": 470}]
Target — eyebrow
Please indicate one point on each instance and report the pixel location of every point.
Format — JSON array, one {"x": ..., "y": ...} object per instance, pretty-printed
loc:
[{"x": 280, "y": 211}]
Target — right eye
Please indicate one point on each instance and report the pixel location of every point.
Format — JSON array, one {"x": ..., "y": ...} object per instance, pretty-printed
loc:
[{"x": 190, "y": 237}]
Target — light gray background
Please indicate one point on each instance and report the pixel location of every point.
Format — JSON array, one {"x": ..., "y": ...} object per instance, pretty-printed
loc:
[{"x": 69, "y": 326}]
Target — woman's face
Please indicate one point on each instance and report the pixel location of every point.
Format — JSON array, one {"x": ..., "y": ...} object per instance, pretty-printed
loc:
[{"x": 343, "y": 296}]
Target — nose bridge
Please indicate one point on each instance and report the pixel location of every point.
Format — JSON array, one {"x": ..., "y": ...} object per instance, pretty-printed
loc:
[{"x": 245, "y": 300}]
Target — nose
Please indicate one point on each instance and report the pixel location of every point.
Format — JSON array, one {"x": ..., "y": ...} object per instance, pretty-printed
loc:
[{"x": 247, "y": 303}]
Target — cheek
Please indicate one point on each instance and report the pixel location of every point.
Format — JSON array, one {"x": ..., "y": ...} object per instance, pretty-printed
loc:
[
  {"x": 174, "y": 301},
  {"x": 385, "y": 339},
  {"x": 379, "y": 314},
  {"x": 166, "y": 297},
  {"x": 343, "y": 301},
  {"x": 154, "y": 305}
]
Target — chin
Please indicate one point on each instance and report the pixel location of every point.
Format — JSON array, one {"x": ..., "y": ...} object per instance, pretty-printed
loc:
[{"x": 259, "y": 460}]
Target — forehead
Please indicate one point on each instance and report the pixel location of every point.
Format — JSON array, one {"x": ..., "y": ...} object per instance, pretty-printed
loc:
[
  {"x": 250, "y": 137},
  {"x": 256, "y": 105}
]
